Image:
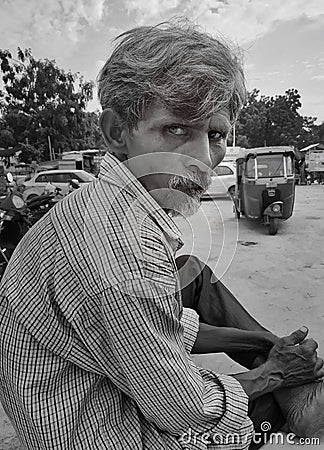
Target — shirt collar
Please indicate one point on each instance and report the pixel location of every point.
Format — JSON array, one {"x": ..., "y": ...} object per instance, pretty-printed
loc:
[{"x": 115, "y": 172}]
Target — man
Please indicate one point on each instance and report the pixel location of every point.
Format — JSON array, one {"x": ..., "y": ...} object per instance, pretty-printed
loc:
[{"x": 94, "y": 338}]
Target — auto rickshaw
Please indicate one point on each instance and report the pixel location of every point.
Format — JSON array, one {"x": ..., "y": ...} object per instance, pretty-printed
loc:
[{"x": 265, "y": 185}]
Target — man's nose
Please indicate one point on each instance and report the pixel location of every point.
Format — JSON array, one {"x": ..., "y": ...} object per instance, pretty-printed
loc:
[{"x": 200, "y": 156}]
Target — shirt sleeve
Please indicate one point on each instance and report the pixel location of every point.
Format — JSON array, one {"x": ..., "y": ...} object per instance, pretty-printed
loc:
[
  {"x": 151, "y": 365},
  {"x": 190, "y": 322}
]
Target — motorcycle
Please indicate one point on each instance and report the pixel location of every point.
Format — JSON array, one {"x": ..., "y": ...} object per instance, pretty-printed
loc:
[
  {"x": 18, "y": 216},
  {"x": 14, "y": 224},
  {"x": 40, "y": 204}
]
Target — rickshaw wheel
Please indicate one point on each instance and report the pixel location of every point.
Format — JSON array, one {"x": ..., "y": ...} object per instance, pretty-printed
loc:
[
  {"x": 273, "y": 226},
  {"x": 236, "y": 211},
  {"x": 231, "y": 192}
]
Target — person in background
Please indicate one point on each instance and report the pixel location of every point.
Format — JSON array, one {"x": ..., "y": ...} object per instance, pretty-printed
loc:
[{"x": 302, "y": 170}]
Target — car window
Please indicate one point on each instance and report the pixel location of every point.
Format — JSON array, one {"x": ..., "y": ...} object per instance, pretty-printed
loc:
[
  {"x": 51, "y": 178},
  {"x": 61, "y": 177},
  {"x": 64, "y": 177},
  {"x": 83, "y": 177},
  {"x": 41, "y": 179},
  {"x": 223, "y": 170}
]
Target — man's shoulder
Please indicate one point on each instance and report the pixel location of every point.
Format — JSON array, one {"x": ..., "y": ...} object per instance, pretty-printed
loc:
[{"x": 123, "y": 211}]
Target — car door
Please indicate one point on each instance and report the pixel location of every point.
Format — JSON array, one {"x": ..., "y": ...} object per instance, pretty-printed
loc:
[
  {"x": 39, "y": 183},
  {"x": 61, "y": 180},
  {"x": 220, "y": 181}
]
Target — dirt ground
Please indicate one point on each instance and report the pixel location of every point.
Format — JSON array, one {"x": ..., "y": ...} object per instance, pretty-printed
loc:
[{"x": 279, "y": 279}]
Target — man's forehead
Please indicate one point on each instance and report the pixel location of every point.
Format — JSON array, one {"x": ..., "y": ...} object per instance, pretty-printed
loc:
[{"x": 159, "y": 113}]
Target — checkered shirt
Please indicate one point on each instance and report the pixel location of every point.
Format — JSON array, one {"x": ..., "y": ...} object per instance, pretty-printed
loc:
[{"x": 94, "y": 343}]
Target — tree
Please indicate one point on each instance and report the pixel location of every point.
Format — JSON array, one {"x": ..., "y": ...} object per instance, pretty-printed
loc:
[
  {"x": 284, "y": 123},
  {"x": 6, "y": 139},
  {"x": 267, "y": 121},
  {"x": 320, "y": 133},
  {"x": 39, "y": 100},
  {"x": 252, "y": 125},
  {"x": 29, "y": 153},
  {"x": 92, "y": 131}
]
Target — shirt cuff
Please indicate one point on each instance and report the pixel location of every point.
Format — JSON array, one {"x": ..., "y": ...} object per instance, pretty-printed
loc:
[
  {"x": 190, "y": 322},
  {"x": 235, "y": 416},
  {"x": 225, "y": 399}
]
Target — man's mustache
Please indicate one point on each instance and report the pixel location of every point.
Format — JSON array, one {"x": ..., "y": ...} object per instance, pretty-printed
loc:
[{"x": 195, "y": 183}]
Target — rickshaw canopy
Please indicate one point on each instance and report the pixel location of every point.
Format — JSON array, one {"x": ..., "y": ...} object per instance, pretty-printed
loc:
[{"x": 254, "y": 152}]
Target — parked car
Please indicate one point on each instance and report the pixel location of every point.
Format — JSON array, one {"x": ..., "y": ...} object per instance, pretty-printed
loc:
[
  {"x": 223, "y": 182},
  {"x": 57, "y": 178}
]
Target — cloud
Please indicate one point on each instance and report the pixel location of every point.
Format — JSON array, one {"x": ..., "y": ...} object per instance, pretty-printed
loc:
[
  {"x": 240, "y": 20},
  {"x": 47, "y": 21},
  {"x": 146, "y": 9},
  {"x": 244, "y": 20},
  {"x": 317, "y": 77}
]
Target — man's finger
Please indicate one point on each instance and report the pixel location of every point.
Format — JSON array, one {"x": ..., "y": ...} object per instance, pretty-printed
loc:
[
  {"x": 310, "y": 344},
  {"x": 296, "y": 337},
  {"x": 319, "y": 364}
]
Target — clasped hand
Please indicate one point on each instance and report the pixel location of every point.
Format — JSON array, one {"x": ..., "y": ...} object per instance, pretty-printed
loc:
[{"x": 294, "y": 358}]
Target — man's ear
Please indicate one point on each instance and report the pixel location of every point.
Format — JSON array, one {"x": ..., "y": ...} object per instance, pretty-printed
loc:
[{"x": 113, "y": 131}]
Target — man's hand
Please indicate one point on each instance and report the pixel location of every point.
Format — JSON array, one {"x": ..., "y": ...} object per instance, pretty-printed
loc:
[
  {"x": 295, "y": 359},
  {"x": 292, "y": 361}
]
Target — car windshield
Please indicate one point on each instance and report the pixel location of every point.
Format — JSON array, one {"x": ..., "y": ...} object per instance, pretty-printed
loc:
[
  {"x": 268, "y": 166},
  {"x": 85, "y": 177}
]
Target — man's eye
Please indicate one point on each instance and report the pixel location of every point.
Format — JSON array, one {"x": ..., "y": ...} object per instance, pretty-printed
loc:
[
  {"x": 215, "y": 135},
  {"x": 177, "y": 130}
]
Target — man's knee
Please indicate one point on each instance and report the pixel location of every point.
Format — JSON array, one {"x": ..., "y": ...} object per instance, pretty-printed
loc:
[
  {"x": 191, "y": 268},
  {"x": 191, "y": 263},
  {"x": 183, "y": 259}
]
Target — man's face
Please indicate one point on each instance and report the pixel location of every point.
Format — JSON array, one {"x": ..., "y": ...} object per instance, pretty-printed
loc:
[{"x": 174, "y": 158}]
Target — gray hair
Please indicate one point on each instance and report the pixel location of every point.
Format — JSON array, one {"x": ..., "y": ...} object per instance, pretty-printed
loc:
[{"x": 190, "y": 72}]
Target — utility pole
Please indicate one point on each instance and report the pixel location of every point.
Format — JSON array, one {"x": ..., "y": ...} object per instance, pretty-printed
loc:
[{"x": 51, "y": 150}]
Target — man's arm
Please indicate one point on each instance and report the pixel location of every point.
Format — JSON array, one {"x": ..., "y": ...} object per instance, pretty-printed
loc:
[
  {"x": 291, "y": 361},
  {"x": 211, "y": 339}
]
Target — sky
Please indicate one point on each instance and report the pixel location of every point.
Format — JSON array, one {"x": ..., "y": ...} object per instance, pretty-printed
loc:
[{"x": 282, "y": 40}]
